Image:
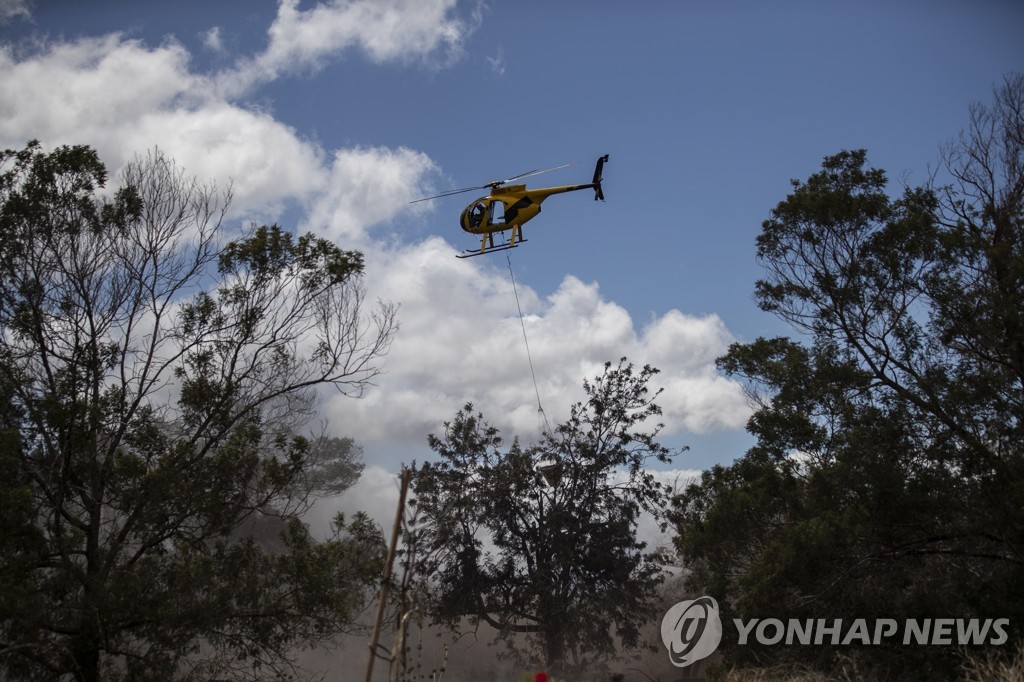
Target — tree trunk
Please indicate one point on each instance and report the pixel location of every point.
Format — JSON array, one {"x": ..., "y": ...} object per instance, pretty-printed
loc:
[
  {"x": 554, "y": 645},
  {"x": 86, "y": 661}
]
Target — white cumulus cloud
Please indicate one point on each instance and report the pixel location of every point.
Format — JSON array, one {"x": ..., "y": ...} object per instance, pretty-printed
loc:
[
  {"x": 461, "y": 340},
  {"x": 367, "y": 186},
  {"x": 383, "y": 30},
  {"x": 122, "y": 98}
]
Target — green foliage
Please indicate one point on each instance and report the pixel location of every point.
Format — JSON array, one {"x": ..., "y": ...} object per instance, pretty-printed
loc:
[
  {"x": 541, "y": 541},
  {"x": 270, "y": 252},
  {"x": 886, "y": 478},
  {"x": 152, "y": 381}
]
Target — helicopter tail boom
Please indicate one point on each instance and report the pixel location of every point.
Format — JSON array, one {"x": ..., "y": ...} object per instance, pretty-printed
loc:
[{"x": 598, "y": 192}]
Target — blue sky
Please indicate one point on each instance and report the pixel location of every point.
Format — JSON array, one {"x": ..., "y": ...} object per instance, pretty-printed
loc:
[{"x": 331, "y": 117}]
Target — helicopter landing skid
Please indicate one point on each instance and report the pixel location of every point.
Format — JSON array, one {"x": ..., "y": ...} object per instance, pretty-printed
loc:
[{"x": 469, "y": 253}]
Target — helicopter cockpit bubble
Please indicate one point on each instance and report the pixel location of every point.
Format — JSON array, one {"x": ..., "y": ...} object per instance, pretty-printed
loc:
[{"x": 476, "y": 214}]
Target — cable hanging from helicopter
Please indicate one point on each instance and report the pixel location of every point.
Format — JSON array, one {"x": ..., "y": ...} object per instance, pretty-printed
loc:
[{"x": 529, "y": 356}]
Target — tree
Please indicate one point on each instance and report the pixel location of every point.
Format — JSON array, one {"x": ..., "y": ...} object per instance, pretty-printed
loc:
[
  {"x": 153, "y": 382},
  {"x": 886, "y": 478},
  {"x": 540, "y": 542}
]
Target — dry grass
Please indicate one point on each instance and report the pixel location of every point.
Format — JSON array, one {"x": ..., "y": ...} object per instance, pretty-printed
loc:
[
  {"x": 776, "y": 674},
  {"x": 992, "y": 667}
]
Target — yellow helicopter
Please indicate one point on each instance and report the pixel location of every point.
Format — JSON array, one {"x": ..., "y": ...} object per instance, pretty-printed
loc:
[{"x": 508, "y": 207}]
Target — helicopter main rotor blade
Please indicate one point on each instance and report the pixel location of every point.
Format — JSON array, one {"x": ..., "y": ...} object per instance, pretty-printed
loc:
[
  {"x": 494, "y": 183},
  {"x": 449, "y": 193},
  {"x": 536, "y": 171}
]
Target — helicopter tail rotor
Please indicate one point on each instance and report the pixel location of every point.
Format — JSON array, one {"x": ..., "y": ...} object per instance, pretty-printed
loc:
[{"x": 598, "y": 192}]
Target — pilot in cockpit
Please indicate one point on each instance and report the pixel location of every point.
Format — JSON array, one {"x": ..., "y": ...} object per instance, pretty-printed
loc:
[{"x": 476, "y": 215}]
